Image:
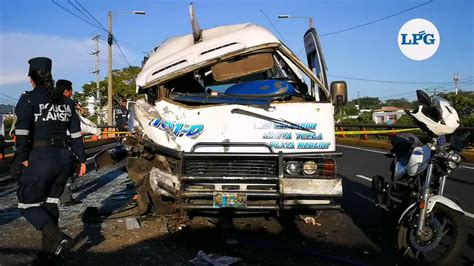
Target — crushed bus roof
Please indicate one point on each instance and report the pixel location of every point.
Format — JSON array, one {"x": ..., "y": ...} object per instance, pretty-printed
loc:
[{"x": 180, "y": 52}]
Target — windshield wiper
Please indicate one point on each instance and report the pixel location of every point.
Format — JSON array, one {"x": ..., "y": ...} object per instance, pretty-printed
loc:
[{"x": 271, "y": 119}]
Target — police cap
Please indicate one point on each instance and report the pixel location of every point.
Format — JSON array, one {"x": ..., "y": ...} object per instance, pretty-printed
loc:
[
  {"x": 63, "y": 84},
  {"x": 39, "y": 63}
]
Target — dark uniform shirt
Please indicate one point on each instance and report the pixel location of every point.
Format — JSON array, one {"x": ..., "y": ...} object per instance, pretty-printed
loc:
[
  {"x": 40, "y": 120},
  {"x": 121, "y": 117}
]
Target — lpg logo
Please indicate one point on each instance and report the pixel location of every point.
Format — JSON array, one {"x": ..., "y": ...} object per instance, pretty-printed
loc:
[
  {"x": 418, "y": 39},
  {"x": 421, "y": 36}
]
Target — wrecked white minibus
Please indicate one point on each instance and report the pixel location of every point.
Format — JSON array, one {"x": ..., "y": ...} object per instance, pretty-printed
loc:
[{"x": 233, "y": 120}]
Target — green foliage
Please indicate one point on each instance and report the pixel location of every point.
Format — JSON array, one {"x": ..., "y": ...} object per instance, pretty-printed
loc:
[
  {"x": 368, "y": 102},
  {"x": 400, "y": 103},
  {"x": 350, "y": 121},
  {"x": 123, "y": 86},
  {"x": 7, "y": 123},
  {"x": 350, "y": 109},
  {"x": 461, "y": 102},
  {"x": 405, "y": 120},
  {"x": 364, "y": 118}
]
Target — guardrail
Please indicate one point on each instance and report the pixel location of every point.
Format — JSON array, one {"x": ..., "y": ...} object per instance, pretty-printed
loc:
[
  {"x": 343, "y": 130},
  {"x": 383, "y": 135},
  {"x": 6, "y": 146}
]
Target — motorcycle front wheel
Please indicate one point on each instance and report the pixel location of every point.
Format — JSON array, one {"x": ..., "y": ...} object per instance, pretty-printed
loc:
[{"x": 442, "y": 241}]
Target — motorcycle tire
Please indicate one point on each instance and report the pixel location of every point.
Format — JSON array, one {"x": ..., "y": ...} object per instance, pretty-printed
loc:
[
  {"x": 378, "y": 183},
  {"x": 431, "y": 253}
]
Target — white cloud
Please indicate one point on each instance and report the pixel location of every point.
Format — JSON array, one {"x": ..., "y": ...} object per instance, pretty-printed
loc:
[{"x": 71, "y": 59}]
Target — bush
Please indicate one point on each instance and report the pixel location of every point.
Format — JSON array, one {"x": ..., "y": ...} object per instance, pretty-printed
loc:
[{"x": 405, "y": 120}]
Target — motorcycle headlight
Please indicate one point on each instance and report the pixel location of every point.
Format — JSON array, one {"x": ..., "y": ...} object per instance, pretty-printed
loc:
[
  {"x": 292, "y": 167},
  {"x": 454, "y": 160},
  {"x": 452, "y": 165},
  {"x": 310, "y": 167}
]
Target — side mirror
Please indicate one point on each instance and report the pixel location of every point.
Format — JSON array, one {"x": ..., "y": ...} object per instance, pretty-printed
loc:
[{"x": 339, "y": 93}]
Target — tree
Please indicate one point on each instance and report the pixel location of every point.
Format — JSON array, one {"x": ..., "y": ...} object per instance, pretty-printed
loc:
[
  {"x": 123, "y": 86},
  {"x": 405, "y": 120},
  {"x": 350, "y": 109},
  {"x": 364, "y": 119},
  {"x": 400, "y": 103},
  {"x": 369, "y": 102}
]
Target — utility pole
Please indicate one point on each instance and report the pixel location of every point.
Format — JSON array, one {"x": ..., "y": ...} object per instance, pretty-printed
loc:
[
  {"x": 97, "y": 72},
  {"x": 110, "y": 41},
  {"x": 456, "y": 79}
]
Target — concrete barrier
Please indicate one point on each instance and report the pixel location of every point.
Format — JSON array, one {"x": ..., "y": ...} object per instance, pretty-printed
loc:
[{"x": 468, "y": 154}]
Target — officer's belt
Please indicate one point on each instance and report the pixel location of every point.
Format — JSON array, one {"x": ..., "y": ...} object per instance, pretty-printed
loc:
[{"x": 49, "y": 143}]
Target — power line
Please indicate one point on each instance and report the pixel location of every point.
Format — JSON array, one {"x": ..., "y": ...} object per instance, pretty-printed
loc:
[
  {"x": 7, "y": 101},
  {"x": 75, "y": 15},
  {"x": 80, "y": 11},
  {"x": 121, "y": 52},
  {"x": 274, "y": 27},
  {"x": 433, "y": 90},
  {"x": 16, "y": 99},
  {"x": 97, "y": 23},
  {"x": 390, "y": 81},
  {"x": 90, "y": 15},
  {"x": 377, "y": 20},
  {"x": 466, "y": 81}
]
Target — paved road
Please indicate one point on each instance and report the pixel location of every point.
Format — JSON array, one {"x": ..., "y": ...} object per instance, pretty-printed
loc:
[
  {"x": 359, "y": 164},
  {"x": 353, "y": 236}
]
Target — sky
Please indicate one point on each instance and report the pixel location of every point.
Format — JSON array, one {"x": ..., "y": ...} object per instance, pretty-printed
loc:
[{"x": 30, "y": 28}]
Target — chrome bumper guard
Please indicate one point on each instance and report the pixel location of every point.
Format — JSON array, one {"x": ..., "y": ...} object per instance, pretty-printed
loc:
[{"x": 266, "y": 189}]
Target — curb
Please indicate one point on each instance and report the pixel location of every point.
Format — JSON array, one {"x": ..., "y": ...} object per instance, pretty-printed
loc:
[{"x": 468, "y": 155}]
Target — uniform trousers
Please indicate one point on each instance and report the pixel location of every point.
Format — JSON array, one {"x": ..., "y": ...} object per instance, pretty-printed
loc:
[{"x": 42, "y": 183}]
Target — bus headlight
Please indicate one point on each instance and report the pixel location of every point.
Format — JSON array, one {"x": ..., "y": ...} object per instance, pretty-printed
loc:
[
  {"x": 310, "y": 168},
  {"x": 292, "y": 167}
]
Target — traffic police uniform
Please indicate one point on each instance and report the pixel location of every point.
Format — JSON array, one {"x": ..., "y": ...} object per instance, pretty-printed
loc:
[
  {"x": 66, "y": 195},
  {"x": 121, "y": 118},
  {"x": 41, "y": 140}
]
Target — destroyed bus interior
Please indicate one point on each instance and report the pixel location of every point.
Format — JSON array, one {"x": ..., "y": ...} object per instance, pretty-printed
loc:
[{"x": 257, "y": 78}]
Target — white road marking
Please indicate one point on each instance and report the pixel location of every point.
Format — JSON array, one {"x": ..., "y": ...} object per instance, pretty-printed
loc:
[
  {"x": 365, "y": 197},
  {"x": 365, "y": 178},
  {"x": 468, "y": 214},
  {"x": 381, "y": 152},
  {"x": 362, "y": 149}
]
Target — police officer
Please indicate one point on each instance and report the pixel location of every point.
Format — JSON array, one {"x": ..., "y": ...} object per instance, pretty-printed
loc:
[
  {"x": 121, "y": 116},
  {"x": 87, "y": 127},
  {"x": 66, "y": 198},
  {"x": 43, "y": 117}
]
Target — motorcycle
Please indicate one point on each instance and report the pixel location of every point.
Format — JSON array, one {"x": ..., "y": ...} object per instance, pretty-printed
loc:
[{"x": 428, "y": 226}]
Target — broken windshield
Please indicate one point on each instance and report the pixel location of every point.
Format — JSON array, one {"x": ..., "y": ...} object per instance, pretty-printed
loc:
[{"x": 256, "y": 75}]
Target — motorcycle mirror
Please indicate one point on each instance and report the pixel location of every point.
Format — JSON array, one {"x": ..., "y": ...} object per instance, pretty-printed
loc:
[{"x": 423, "y": 97}]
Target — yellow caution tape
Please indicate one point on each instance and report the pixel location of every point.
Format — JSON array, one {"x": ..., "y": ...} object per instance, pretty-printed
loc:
[
  {"x": 117, "y": 132},
  {"x": 375, "y": 132}
]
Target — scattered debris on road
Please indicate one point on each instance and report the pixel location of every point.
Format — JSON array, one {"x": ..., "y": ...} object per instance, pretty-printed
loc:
[
  {"x": 311, "y": 220},
  {"x": 132, "y": 223},
  {"x": 203, "y": 259}
]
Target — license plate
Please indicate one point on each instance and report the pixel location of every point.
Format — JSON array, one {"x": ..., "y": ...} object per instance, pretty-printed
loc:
[{"x": 229, "y": 200}]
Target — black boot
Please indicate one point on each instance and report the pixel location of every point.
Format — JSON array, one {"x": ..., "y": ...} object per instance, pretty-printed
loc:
[
  {"x": 47, "y": 243},
  {"x": 59, "y": 241},
  {"x": 45, "y": 259}
]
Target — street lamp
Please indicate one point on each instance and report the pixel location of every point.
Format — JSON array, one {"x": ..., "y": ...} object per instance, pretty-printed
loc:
[
  {"x": 310, "y": 19},
  {"x": 110, "y": 41}
]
